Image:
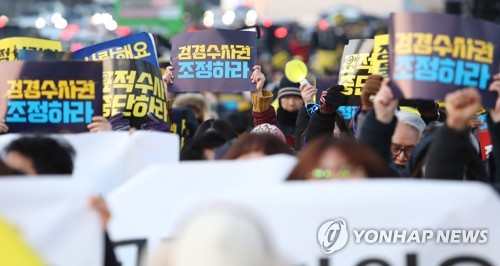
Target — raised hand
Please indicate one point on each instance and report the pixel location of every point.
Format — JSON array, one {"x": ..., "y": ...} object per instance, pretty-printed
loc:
[
  {"x": 461, "y": 105},
  {"x": 385, "y": 104}
]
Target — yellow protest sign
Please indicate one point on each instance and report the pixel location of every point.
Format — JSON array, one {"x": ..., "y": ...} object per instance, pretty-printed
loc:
[
  {"x": 355, "y": 68},
  {"x": 13, "y": 250},
  {"x": 380, "y": 55},
  {"x": 10, "y": 46}
]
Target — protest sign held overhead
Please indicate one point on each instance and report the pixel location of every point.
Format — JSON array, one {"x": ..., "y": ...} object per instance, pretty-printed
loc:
[
  {"x": 355, "y": 68},
  {"x": 137, "y": 46},
  {"x": 182, "y": 124},
  {"x": 214, "y": 60},
  {"x": 9, "y": 47},
  {"x": 440, "y": 54},
  {"x": 134, "y": 88},
  {"x": 41, "y": 55},
  {"x": 55, "y": 96},
  {"x": 380, "y": 55}
]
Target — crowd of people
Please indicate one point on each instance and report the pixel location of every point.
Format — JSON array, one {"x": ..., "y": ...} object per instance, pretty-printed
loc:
[{"x": 382, "y": 140}]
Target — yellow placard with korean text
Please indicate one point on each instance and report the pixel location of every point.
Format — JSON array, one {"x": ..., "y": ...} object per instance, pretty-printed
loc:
[
  {"x": 10, "y": 46},
  {"x": 380, "y": 55}
]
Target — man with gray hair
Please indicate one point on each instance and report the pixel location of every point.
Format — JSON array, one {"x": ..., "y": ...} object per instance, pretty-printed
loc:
[
  {"x": 407, "y": 134},
  {"x": 393, "y": 135}
]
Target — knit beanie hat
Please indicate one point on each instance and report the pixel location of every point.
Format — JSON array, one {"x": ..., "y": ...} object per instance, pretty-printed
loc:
[
  {"x": 288, "y": 88},
  {"x": 269, "y": 129}
]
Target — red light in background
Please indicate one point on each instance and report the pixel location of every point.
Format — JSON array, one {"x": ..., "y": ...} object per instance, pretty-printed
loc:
[
  {"x": 66, "y": 35},
  {"x": 323, "y": 24},
  {"x": 123, "y": 31},
  {"x": 73, "y": 28},
  {"x": 280, "y": 32},
  {"x": 3, "y": 21},
  {"x": 69, "y": 32},
  {"x": 267, "y": 22},
  {"x": 193, "y": 29},
  {"x": 76, "y": 46},
  {"x": 261, "y": 32}
]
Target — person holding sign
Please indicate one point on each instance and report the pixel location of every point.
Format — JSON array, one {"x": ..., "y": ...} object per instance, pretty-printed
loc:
[
  {"x": 451, "y": 155},
  {"x": 310, "y": 122},
  {"x": 40, "y": 155},
  {"x": 392, "y": 139},
  {"x": 327, "y": 120},
  {"x": 289, "y": 103},
  {"x": 291, "y": 97}
]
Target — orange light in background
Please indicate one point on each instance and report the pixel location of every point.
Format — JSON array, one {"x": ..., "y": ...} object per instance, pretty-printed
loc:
[
  {"x": 76, "y": 46},
  {"x": 323, "y": 24},
  {"x": 267, "y": 22},
  {"x": 123, "y": 31},
  {"x": 280, "y": 32}
]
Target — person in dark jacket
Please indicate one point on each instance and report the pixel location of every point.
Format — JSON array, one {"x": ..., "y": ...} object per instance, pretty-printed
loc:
[
  {"x": 326, "y": 120},
  {"x": 290, "y": 102},
  {"x": 451, "y": 155},
  {"x": 379, "y": 125},
  {"x": 428, "y": 109},
  {"x": 310, "y": 107},
  {"x": 493, "y": 121},
  {"x": 392, "y": 135}
]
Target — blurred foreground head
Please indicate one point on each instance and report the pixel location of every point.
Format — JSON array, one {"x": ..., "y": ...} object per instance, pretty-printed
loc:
[
  {"x": 222, "y": 236},
  {"x": 257, "y": 145},
  {"x": 331, "y": 158},
  {"x": 37, "y": 155},
  {"x": 196, "y": 102}
]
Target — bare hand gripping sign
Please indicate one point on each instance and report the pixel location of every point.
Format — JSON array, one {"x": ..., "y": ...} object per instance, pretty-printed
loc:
[
  {"x": 50, "y": 97},
  {"x": 440, "y": 54},
  {"x": 213, "y": 60}
]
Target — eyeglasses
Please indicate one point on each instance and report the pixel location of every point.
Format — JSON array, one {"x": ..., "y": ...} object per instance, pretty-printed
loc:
[
  {"x": 396, "y": 149},
  {"x": 320, "y": 173}
]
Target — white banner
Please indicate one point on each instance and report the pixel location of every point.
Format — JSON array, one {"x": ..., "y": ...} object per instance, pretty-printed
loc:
[
  {"x": 111, "y": 158},
  {"x": 376, "y": 215},
  {"x": 48, "y": 221},
  {"x": 142, "y": 207}
]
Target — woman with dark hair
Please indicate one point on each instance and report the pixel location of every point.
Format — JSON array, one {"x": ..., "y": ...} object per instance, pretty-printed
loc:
[
  {"x": 257, "y": 145},
  {"x": 36, "y": 155},
  {"x": 331, "y": 158},
  {"x": 217, "y": 125}
]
